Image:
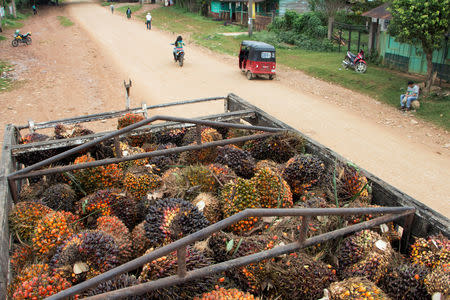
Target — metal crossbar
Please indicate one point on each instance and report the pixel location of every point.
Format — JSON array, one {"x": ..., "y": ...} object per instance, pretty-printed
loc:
[{"x": 393, "y": 213}]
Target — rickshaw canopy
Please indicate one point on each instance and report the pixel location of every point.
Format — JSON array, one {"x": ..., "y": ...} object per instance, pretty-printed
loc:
[{"x": 259, "y": 46}]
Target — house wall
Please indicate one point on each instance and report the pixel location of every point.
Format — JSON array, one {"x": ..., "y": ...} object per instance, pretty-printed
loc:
[
  {"x": 411, "y": 58},
  {"x": 300, "y": 6}
]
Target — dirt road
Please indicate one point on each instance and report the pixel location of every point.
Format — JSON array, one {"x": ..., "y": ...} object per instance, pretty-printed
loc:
[{"x": 406, "y": 154}]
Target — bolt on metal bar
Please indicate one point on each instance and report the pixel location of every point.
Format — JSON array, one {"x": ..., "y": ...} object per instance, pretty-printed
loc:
[
  {"x": 206, "y": 232},
  {"x": 181, "y": 259},
  {"x": 241, "y": 261},
  {"x": 77, "y": 149},
  {"x": 108, "y": 161}
]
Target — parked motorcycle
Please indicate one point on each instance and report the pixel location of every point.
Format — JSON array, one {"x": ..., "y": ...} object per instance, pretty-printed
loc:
[
  {"x": 179, "y": 56},
  {"x": 355, "y": 62},
  {"x": 21, "y": 38}
]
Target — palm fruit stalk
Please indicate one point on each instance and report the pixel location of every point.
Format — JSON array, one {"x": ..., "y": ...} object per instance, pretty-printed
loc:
[
  {"x": 240, "y": 161},
  {"x": 113, "y": 226},
  {"x": 139, "y": 181},
  {"x": 226, "y": 294},
  {"x": 167, "y": 266},
  {"x": 236, "y": 197},
  {"x": 356, "y": 288},
  {"x": 303, "y": 172},
  {"x": 209, "y": 205},
  {"x": 273, "y": 191},
  {"x": 405, "y": 282},
  {"x": 127, "y": 120},
  {"x": 278, "y": 148},
  {"x": 60, "y": 196},
  {"x": 170, "y": 219},
  {"x": 119, "y": 282},
  {"x": 24, "y": 217},
  {"x": 85, "y": 255}
]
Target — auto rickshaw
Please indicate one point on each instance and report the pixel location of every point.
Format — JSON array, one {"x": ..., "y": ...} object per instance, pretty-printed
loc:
[{"x": 257, "y": 58}]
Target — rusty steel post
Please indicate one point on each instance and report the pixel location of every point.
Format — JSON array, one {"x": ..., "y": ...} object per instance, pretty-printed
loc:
[
  {"x": 304, "y": 229},
  {"x": 181, "y": 258}
]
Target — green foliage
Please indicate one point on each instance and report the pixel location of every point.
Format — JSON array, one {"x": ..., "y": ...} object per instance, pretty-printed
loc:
[
  {"x": 105, "y": 3},
  {"x": 134, "y": 8},
  {"x": 65, "y": 21},
  {"x": 5, "y": 83},
  {"x": 2, "y": 38}
]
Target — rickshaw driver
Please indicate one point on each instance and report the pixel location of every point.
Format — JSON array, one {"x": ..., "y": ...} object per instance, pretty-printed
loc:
[{"x": 243, "y": 56}]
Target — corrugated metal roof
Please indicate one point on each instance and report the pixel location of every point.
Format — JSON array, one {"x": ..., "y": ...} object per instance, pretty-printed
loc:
[{"x": 379, "y": 12}]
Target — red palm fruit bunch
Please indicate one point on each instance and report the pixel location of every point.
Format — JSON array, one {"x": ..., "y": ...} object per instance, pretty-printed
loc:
[
  {"x": 356, "y": 288},
  {"x": 106, "y": 203},
  {"x": 238, "y": 196},
  {"x": 278, "y": 148},
  {"x": 59, "y": 196},
  {"x": 209, "y": 205},
  {"x": 119, "y": 282},
  {"x": 364, "y": 254},
  {"x": 431, "y": 252},
  {"x": 115, "y": 228},
  {"x": 174, "y": 136},
  {"x": 405, "y": 282},
  {"x": 21, "y": 256},
  {"x": 31, "y": 158},
  {"x": 221, "y": 173},
  {"x": 67, "y": 131},
  {"x": 170, "y": 219},
  {"x": 129, "y": 119},
  {"x": 33, "y": 270},
  {"x": 303, "y": 171},
  {"x": 273, "y": 191},
  {"x": 41, "y": 287},
  {"x": 51, "y": 231},
  {"x": 351, "y": 184},
  {"x": 140, "y": 242},
  {"x": 438, "y": 280},
  {"x": 167, "y": 266},
  {"x": 299, "y": 276},
  {"x": 139, "y": 181},
  {"x": 163, "y": 162},
  {"x": 85, "y": 255},
  {"x": 240, "y": 161},
  {"x": 92, "y": 179},
  {"x": 24, "y": 217},
  {"x": 221, "y": 293}
]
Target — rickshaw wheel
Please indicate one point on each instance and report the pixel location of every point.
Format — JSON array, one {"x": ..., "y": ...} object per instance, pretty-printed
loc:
[
  {"x": 271, "y": 77},
  {"x": 249, "y": 75}
]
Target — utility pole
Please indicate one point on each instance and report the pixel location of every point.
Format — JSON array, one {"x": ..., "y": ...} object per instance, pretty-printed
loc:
[{"x": 250, "y": 17}]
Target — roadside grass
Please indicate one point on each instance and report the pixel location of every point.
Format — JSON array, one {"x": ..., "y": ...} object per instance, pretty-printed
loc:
[
  {"x": 380, "y": 83},
  {"x": 134, "y": 8},
  {"x": 9, "y": 22},
  {"x": 5, "y": 83},
  {"x": 2, "y": 38},
  {"x": 105, "y": 3},
  {"x": 65, "y": 21}
]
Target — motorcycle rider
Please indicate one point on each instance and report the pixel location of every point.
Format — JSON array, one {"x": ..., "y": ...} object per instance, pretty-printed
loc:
[{"x": 178, "y": 44}]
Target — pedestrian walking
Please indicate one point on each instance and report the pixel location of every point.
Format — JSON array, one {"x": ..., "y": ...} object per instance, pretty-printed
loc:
[
  {"x": 34, "y": 9},
  {"x": 128, "y": 13},
  {"x": 149, "y": 21},
  {"x": 112, "y": 8}
]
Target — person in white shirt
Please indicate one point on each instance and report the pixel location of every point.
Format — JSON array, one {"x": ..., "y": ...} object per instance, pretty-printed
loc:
[
  {"x": 149, "y": 21},
  {"x": 112, "y": 8},
  {"x": 412, "y": 93}
]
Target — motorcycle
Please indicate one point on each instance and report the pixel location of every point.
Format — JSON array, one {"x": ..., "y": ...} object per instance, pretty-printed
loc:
[
  {"x": 179, "y": 55},
  {"x": 21, "y": 38},
  {"x": 355, "y": 62}
]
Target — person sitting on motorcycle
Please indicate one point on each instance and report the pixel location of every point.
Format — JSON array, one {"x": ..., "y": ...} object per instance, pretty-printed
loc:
[
  {"x": 17, "y": 33},
  {"x": 178, "y": 44}
]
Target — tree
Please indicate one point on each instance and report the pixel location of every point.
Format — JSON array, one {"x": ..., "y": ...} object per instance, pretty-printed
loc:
[
  {"x": 423, "y": 22},
  {"x": 330, "y": 8}
]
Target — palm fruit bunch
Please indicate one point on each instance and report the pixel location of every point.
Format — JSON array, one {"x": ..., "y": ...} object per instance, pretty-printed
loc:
[
  {"x": 356, "y": 288},
  {"x": 209, "y": 206},
  {"x": 221, "y": 293},
  {"x": 127, "y": 120},
  {"x": 50, "y": 232},
  {"x": 59, "y": 196},
  {"x": 303, "y": 171},
  {"x": 196, "y": 179},
  {"x": 85, "y": 255},
  {"x": 205, "y": 155},
  {"x": 174, "y": 136},
  {"x": 32, "y": 192},
  {"x": 120, "y": 233},
  {"x": 32, "y": 270},
  {"x": 438, "y": 280},
  {"x": 106, "y": 203},
  {"x": 92, "y": 179},
  {"x": 163, "y": 162},
  {"x": 139, "y": 181},
  {"x": 167, "y": 266},
  {"x": 127, "y": 150},
  {"x": 170, "y": 219},
  {"x": 238, "y": 196},
  {"x": 278, "y": 148},
  {"x": 24, "y": 217},
  {"x": 405, "y": 282},
  {"x": 140, "y": 242},
  {"x": 299, "y": 276},
  {"x": 41, "y": 287},
  {"x": 31, "y": 158},
  {"x": 240, "y": 161},
  {"x": 431, "y": 252},
  {"x": 119, "y": 282},
  {"x": 67, "y": 131},
  {"x": 364, "y": 254},
  {"x": 20, "y": 257},
  {"x": 351, "y": 184},
  {"x": 267, "y": 163},
  {"x": 236, "y": 132},
  {"x": 273, "y": 191}
]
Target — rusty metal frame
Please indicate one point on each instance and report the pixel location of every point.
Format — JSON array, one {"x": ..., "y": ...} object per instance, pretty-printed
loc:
[{"x": 392, "y": 213}]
